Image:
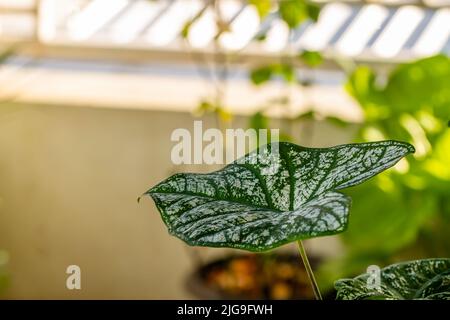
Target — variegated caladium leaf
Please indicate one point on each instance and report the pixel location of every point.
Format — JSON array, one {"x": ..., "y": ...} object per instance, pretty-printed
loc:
[
  {"x": 419, "y": 279},
  {"x": 276, "y": 194}
]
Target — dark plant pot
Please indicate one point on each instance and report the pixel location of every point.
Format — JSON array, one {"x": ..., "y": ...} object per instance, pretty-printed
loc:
[{"x": 254, "y": 276}]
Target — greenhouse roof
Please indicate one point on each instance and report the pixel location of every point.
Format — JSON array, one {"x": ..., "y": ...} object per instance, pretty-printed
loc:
[{"x": 381, "y": 31}]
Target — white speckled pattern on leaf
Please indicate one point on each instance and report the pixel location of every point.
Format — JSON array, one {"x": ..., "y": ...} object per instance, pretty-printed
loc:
[
  {"x": 419, "y": 279},
  {"x": 268, "y": 199}
]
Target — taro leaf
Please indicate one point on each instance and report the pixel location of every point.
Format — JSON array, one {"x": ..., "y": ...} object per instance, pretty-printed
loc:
[
  {"x": 277, "y": 194},
  {"x": 419, "y": 279}
]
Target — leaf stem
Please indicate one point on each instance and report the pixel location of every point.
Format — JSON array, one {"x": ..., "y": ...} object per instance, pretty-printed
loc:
[{"x": 312, "y": 279}]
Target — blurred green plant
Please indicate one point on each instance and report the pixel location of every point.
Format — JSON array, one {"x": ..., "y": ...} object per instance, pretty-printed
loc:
[
  {"x": 311, "y": 58},
  {"x": 262, "y": 6},
  {"x": 411, "y": 103},
  {"x": 293, "y": 13}
]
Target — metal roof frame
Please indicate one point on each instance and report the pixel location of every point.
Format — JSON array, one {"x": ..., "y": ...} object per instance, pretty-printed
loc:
[{"x": 52, "y": 39}]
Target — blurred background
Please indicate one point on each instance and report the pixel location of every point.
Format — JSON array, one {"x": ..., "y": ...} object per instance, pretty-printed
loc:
[{"x": 91, "y": 90}]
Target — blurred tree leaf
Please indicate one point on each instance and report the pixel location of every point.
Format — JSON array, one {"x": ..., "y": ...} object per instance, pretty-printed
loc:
[
  {"x": 7, "y": 53},
  {"x": 224, "y": 114},
  {"x": 187, "y": 26},
  {"x": 286, "y": 71},
  {"x": 438, "y": 164},
  {"x": 258, "y": 121},
  {"x": 205, "y": 106},
  {"x": 262, "y": 6},
  {"x": 185, "y": 30},
  {"x": 311, "y": 58},
  {"x": 263, "y": 74},
  {"x": 313, "y": 11},
  {"x": 361, "y": 86},
  {"x": 421, "y": 85},
  {"x": 394, "y": 225},
  {"x": 261, "y": 36},
  {"x": 293, "y": 12},
  {"x": 411, "y": 103},
  {"x": 375, "y": 236}
]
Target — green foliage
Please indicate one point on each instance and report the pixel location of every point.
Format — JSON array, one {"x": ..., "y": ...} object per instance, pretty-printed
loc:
[
  {"x": 270, "y": 198},
  {"x": 420, "y": 279},
  {"x": 418, "y": 87},
  {"x": 262, "y": 6},
  {"x": 311, "y": 58},
  {"x": 186, "y": 29},
  {"x": 386, "y": 218},
  {"x": 259, "y": 121},
  {"x": 261, "y": 75},
  {"x": 313, "y": 11},
  {"x": 412, "y": 104},
  {"x": 206, "y": 106},
  {"x": 295, "y": 12},
  {"x": 265, "y": 73}
]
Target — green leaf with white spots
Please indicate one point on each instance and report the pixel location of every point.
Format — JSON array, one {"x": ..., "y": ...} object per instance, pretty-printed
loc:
[
  {"x": 274, "y": 195},
  {"x": 419, "y": 279}
]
